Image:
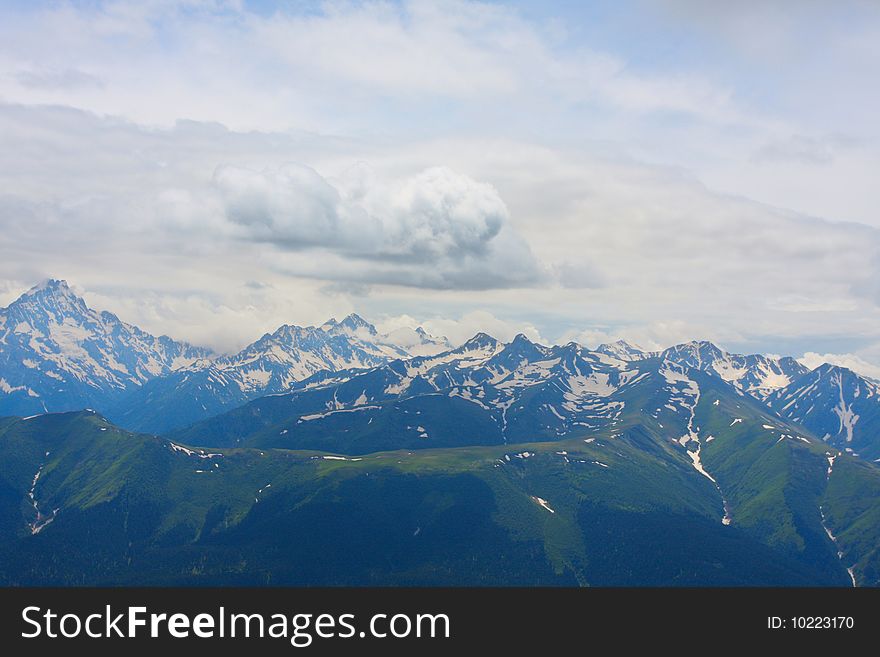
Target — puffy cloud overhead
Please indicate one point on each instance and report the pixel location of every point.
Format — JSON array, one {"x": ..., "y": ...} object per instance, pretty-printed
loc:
[
  {"x": 210, "y": 169},
  {"x": 438, "y": 228},
  {"x": 425, "y": 226},
  {"x": 292, "y": 206}
]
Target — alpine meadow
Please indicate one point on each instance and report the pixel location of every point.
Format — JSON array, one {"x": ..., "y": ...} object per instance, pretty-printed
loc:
[{"x": 440, "y": 294}]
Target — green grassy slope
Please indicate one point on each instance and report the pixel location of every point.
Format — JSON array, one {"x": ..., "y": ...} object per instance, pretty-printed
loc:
[
  {"x": 773, "y": 476},
  {"x": 851, "y": 504},
  {"x": 626, "y": 510}
]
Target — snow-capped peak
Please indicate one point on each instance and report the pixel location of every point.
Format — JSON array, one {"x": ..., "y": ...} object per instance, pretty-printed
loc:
[
  {"x": 417, "y": 342},
  {"x": 521, "y": 346},
  {"x": 836, "y": 404},
  {"x": 54, "y": 285},
  {"x": 826, "y": 369},
  {"x": 756, "y": 374},
  {"x": 695, "y": 352},
  {"x": 58, "y": 354},
  {"x": 52, "y": 296},
  {"x": 480, "y": 341},
  {"x": 354, "y": 323},
  {"x": 622, "y": 350}
]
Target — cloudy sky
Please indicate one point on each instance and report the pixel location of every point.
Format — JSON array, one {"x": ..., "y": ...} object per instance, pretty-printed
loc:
[{"x": 657, "y": 171}]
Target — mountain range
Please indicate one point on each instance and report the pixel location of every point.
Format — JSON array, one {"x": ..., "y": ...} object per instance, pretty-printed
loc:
[
  {"x": 338, "y": 455},
  {"x": 270, "y": 365},
  {"x": 57, "y": 354}
]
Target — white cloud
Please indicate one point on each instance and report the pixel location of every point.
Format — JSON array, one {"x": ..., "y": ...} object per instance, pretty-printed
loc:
[
  {"x": 851, "y": 361},
  {"x": 437, "y": 228},
  {"x": 653, "y": 336},
  {"x": 798, "y": 148},
  {"x": 202, "y": 314},
  {"x": 579, "y": 184},
  {"x": 435, "y": 214},
  {"x": 580, "y": 240},
  {"x": 578, "y": 274},
  {"x": 291, "y": 206},
  {"x": 459, "y": 329},
  {"x": 65, "y": 78},
  {"x": 440, "y": 213},
  {"x": 219, "y": 61}
]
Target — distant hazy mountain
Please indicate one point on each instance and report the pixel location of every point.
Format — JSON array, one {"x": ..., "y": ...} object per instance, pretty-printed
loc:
[
  {"x": 58, "y": 354},
  {"x": 623, "y": 350},
  {"x": 270, "y": 365}
]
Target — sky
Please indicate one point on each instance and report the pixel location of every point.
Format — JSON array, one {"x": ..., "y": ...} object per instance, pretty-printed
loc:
[{"x": 653, "y": 171}]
